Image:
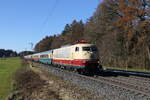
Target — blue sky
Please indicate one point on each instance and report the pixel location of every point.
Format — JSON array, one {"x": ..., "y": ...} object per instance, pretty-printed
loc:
[{"x": 25, "y": 21}]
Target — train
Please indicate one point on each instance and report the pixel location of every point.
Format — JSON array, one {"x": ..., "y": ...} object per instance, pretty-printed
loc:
[{"x": 80, "y": 56}]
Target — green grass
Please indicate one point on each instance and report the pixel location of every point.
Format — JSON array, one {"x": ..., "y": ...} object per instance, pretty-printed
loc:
[
  {"x": 8, "y": 67},
  {"x": 128, "y": 69}
]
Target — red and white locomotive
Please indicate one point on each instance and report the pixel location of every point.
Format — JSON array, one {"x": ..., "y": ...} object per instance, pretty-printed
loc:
[{"x": 81, "y": 56}]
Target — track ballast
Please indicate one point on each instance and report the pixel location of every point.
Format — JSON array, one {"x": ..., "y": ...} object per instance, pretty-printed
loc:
[{"x": 105, "y": 87}]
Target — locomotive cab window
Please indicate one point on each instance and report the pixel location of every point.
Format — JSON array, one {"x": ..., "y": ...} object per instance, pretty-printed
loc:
[
  {"x": 77, "y": 49},
  {"x": 93, "y": 48},
  {"x": 86, "y": 49}
]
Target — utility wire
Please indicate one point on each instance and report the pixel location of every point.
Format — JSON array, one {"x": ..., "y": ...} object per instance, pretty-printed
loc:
[{"x": 49, "y": 15}]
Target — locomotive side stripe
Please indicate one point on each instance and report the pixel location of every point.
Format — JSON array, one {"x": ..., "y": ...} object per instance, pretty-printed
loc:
[{"x": 77, "y": 62}]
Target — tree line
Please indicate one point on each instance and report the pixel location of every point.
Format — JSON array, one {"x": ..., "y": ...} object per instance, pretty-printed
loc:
[
  {"x": 119, "y": 28},
  {"x": 25, "y": 53},
  {"x": 10, "y": 53},
  {"x": 7, "y": 53}
]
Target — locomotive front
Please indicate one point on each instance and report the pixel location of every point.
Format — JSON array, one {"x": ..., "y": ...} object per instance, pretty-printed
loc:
[{"x": 86, "y": 55}]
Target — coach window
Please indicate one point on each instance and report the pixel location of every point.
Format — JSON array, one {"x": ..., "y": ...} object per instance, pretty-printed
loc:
[{"x": 77, "y": 49}]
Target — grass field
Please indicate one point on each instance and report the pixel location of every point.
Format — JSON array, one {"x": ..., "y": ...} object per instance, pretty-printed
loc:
[{"x": 8, "y": 67}]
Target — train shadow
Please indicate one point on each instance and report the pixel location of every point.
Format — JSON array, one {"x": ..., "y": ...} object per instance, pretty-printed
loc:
[
  {"x": 116, "y": 73},
  {"x": 105, "y": 73}
]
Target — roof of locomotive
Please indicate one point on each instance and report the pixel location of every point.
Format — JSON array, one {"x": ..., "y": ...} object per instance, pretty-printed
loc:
[
  {"x": 79, "y": 45},
  {"x": 79, "y": 42}
]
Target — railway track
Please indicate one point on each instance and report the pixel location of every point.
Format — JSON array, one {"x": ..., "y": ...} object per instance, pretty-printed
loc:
[
  {"x": 127, "y": 86},
  {"x": 140, "y": 78},
  {"x": 134, "y": 80},
  {"x": 123, "y": 86}
]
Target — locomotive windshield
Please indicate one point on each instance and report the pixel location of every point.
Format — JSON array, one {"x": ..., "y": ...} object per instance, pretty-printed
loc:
[{"x": 92, "y": 48}]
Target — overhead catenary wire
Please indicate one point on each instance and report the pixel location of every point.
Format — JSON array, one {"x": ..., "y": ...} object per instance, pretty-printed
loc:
[{"x": 52, "y": 10}]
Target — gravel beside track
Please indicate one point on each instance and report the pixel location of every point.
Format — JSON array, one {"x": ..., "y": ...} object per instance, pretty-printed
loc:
[{"x": 101, "y": 87}]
